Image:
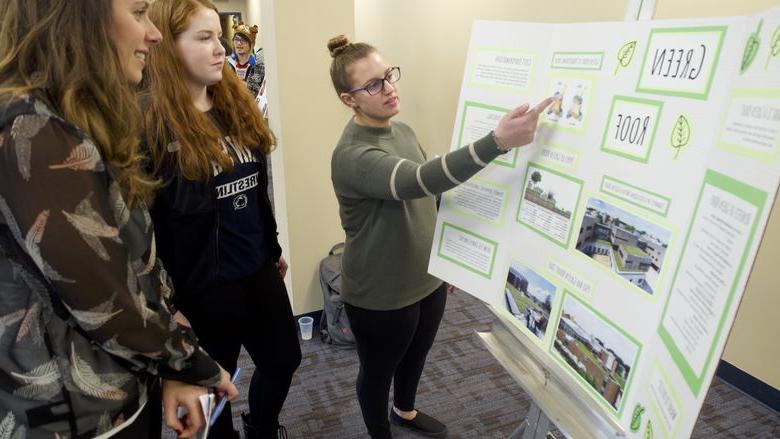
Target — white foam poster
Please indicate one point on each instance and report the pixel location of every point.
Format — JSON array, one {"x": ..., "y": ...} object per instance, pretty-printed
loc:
[{"x": 621, "y": 240}]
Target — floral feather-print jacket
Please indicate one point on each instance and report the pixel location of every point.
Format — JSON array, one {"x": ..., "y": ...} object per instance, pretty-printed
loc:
[{"x": 85, "y": 325}]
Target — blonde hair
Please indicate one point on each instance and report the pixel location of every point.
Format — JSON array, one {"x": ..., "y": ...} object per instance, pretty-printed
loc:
[
  {"x": 61, "y": 51},
  {"x": 172, "y": 116}
]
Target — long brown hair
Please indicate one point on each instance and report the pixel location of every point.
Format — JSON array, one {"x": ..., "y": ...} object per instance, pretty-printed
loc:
[
  {"x": 344, "y": 54},
  {"x": 61, "y": 51},
  {"x": 172, "y": 116}
]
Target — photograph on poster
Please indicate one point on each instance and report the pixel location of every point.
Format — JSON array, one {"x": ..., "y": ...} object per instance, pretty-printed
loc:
[
  {"x": 595, "y": 349},
  {"x": 529, "y": 297},
  {"x": 570, "y": 98},
  {"x": 548, "y": 203},
  {"x": 625, "y": 243}
]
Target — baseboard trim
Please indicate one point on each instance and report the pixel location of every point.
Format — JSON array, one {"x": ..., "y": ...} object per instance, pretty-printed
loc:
[{"x": 750, "y": 385}]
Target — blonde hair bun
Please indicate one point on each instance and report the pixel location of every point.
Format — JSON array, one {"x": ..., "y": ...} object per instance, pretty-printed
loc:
[{"x": 337, "y": 45}]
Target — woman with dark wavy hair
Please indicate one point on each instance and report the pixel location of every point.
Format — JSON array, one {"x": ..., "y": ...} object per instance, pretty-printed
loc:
[
  {"x": 216, "y": 228},
  {"x": 86, "y": 320}
]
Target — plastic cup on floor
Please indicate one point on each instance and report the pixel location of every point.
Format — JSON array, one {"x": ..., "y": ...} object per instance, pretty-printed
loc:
[{"x": 306, "y": 324}]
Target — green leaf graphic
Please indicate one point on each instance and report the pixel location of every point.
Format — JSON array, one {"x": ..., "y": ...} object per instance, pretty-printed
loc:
[
  {"x": 625, "y": 55},
  {"x": 649, "y": 430},
  {"x": 751, "y": 48},
  {"x": 774, "y": 47},
  {"x": 681, "y": 134},
  {"x": 636, "y": 418}
]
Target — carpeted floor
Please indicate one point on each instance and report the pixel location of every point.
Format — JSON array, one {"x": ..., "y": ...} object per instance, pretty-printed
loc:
[{"x": 464, "y": 387}]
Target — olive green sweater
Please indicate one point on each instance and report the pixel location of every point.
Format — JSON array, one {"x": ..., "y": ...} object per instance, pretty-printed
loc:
[{"x": 385, "y": 187}]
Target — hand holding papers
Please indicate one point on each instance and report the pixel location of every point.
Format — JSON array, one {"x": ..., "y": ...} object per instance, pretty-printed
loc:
[
  {"x": 206, "y": 406},
  {"x": 223, "y": 401}
]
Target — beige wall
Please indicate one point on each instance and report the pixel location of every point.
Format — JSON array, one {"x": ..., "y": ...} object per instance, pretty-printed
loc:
[
  {"x": 307, "y": 118},
  {"x": 253, "y": 16}
]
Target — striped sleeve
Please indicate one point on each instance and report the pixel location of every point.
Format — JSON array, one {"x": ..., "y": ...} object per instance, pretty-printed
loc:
[{"x": 370, "y": 172}]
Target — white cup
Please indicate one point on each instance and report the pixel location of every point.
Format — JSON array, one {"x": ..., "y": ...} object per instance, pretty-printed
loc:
[{"x": 306, "y": 324}]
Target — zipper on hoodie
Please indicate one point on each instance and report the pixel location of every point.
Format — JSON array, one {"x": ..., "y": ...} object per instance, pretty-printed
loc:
[{"x": 216, "y": 248}]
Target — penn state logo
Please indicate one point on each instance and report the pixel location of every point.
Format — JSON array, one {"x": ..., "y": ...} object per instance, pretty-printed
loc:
[{"x": 240, "y": 202}]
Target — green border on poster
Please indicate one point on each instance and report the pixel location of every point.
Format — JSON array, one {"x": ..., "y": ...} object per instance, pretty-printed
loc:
[
  {"x": 649, "y": 102},
  {"x": 461, "y": 263},
  {"x": 751, "y": 195},
  {"x": 589, "y": 106},
  {"x": 554, "y": 164},
  {"x": 573, "y": 218},
  {"x": 447, "y": 196},
  {"x": 601, "y": 63},
  {"x": 675, "y": 399},
  {"x": 498, "y": 160},
  {"x": 632, "y": 371},
  {"x": 683, "y": 30},
  {"x": 663, "y": 213},
  {"x": 531, "y": 70},
  {"x": 761, "y": 93}
]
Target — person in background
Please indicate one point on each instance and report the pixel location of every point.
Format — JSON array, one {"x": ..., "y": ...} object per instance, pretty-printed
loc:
[
  {"x": 216, "y": 230},
  {"x": 86, "y": 320},
  {"x": 243, "y": 59},
  {"x": 386, "y": 189}
]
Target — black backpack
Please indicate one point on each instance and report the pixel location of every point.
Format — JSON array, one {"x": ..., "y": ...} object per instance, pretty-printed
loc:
[{"x": 334, "y": 325}]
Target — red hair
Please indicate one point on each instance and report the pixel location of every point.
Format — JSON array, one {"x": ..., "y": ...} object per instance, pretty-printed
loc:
[{"x": 171, "y": 115}]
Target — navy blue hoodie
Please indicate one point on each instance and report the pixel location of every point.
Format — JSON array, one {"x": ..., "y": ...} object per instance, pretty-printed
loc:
[{"x": 186, "y": 217}]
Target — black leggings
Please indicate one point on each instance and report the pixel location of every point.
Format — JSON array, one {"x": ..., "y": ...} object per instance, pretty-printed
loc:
[
  {"x": 392, "y": 346},
  {"x": 254, "y": 312}
]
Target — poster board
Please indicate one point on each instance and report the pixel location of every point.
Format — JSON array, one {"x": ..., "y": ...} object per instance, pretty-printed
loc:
[{"x": 621, "y": 240}]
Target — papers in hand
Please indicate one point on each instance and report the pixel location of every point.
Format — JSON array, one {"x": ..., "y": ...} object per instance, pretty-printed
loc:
[
  {"x": 207, "y": 406},
  {"x": 223, "y": 401}
]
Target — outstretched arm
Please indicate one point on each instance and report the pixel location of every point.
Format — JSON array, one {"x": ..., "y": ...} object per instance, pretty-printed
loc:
[{"x": 372, "y": 172}]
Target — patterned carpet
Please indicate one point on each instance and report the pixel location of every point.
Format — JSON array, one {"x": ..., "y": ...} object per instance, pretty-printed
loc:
[{"x": 464, "y": 387}]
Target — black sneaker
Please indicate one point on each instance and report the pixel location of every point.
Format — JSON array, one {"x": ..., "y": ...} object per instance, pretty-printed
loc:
[{"x": 421, "y": 424}]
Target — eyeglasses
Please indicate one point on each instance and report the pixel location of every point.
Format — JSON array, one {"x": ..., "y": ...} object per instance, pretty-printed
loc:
[{"x": 375, "y": 86}]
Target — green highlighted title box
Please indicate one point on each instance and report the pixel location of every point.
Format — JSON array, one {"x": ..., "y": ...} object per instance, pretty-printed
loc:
[
  {"x": 636, "y": 195},
  {"x": 630, "y": 128},
  {"x": 677, "y": 58},
  {"x": 487, "y": 243},
  {"x": 509, "y": 159},
  {"x": 577, "y": 60}
]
